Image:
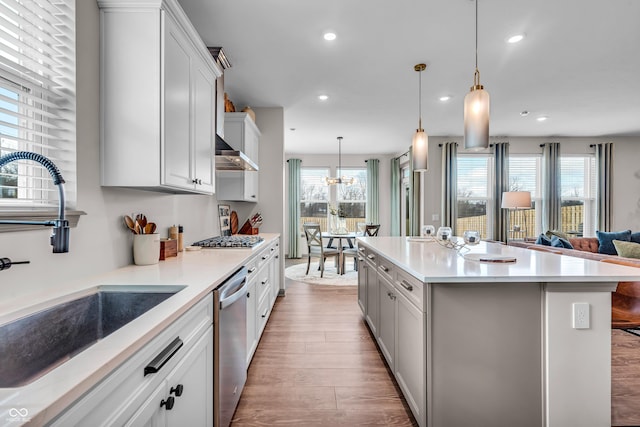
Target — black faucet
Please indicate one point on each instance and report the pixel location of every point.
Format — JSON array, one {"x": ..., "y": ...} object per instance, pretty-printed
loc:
[
  {"x": 60, "y": 232},
  {"x": 5, "y": 263}
]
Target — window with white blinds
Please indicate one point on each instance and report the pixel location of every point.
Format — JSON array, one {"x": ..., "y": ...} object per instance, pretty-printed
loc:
[
  {"x": 525, "y": 174},
  {"x": 475, "y": 178},
  {"x": 37, "y": 99},
  {"x": 578, "y": 194}
]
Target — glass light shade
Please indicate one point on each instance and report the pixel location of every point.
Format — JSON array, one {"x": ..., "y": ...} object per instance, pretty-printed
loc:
[
  {"x": 476, "y": 119},
  {"x": 420, "y": 147},
  {"x": 516, "y": 200}
]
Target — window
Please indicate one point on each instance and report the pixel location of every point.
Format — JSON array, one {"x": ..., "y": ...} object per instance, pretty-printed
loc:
[
  {"x": 474, "y": 181},
  {"x": 316, "y": 196},
  {"x": 37, "y": 99},
  {"x": 525, "y": 175},
  {"x": 577, "y": 194},
  {"x": 352, "y": 199}
]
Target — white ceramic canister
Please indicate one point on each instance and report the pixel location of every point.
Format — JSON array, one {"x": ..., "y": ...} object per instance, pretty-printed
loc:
[{"x": 146, "y": 249}]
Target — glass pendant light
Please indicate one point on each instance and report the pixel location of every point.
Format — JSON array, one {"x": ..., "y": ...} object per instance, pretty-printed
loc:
[
  {"x": 339, "y": 179},
  {"x": 476, "y": 109},
  {"x": 420, "y": 144}
]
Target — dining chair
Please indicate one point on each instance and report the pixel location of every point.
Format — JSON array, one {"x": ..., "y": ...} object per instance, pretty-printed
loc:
[
  {"x": 315, "y": 249},
  {"x": 371, "y": 230}
]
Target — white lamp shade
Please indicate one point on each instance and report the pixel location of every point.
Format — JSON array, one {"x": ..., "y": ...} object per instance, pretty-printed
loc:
[
  {"x": 420, "y": 147},
  {"x": 476, "y": 120},
  {"x": 516, "y": 200}
]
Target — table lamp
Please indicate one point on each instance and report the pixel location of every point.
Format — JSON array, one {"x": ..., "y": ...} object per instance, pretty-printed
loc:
[{"x": 514, "y": 200}]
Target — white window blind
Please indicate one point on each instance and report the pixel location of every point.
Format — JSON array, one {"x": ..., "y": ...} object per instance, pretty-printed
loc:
[{"x": 37, "y": 99}]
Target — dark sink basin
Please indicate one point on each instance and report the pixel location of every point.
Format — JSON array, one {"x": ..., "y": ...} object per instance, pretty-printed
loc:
[{"x": 33, "y": 345}]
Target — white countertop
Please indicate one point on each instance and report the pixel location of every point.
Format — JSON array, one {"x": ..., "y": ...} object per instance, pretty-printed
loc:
[
  {"x": 428, "y": 261},
  {"x": 200, "y": 271}
]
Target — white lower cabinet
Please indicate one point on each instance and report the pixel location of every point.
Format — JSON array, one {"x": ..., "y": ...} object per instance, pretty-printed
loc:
[
  {"x": 183, "y": 398},
  {"x": 372, "y": 298},
  {"x": 394, "y": 306},
  {"x": 128, "y": 396},
  {"x": 410, "y": 364},
  {"x": 264, "y": 285},
  {"x": 387, "y": 325}
]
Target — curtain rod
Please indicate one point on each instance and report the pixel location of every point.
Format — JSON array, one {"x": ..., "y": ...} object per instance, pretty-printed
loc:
[{"x": 406, "y": 153}]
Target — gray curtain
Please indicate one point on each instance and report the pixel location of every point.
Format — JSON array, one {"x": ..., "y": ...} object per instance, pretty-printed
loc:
[
  {"x": 373, "y": 191},
  {"x": 551, "y": 202},
  {"x": 294, "y": 207},
  {"x": 604, "y": 173},
  {"x": 414, "y": 199},
  {"x": 501, "y": 165},
  {"x": 449, "y": 185},
  {"x": 395, "y": 197}
]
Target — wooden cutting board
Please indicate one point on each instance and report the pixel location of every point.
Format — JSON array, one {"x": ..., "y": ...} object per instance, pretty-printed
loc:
[{"x": 234, "y": 222}]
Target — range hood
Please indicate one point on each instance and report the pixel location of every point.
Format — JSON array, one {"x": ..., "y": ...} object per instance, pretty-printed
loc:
[{"x": 228, "y": 159}]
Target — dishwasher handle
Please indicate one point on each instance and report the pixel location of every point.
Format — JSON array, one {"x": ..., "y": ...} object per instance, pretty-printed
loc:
[{"x": 233, "y": 289}]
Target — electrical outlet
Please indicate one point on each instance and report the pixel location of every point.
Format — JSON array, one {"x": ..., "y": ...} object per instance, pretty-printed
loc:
[{"x": 580, "y": 315}]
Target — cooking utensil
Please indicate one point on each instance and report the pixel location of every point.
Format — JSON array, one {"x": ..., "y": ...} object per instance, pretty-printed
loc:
[
  {"x": 150, "y": 228},
  {"x": 234, "y": 222},
  {"x": 142, "y": 220},
  {"x": 138, "y": 228},
  {"x": 128, "y": 221}
]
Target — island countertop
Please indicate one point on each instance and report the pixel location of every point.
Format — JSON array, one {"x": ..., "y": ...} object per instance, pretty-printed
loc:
[{"x": 429, "y": 261}]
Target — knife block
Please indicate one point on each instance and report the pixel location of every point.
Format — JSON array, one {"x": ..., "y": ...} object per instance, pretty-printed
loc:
[{"x": 248, "y": 229}]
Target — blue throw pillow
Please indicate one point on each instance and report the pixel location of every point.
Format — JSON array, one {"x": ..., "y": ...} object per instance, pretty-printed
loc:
[
  {"x": 635, "y": 237},
  {"x": 559, "y": 242},
  {"x": 605, "y": 240},
  {"x": 544, "y": 240}
]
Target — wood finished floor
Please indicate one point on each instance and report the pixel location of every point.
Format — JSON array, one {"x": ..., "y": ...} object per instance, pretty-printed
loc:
[{"x": 317, "y": 365}]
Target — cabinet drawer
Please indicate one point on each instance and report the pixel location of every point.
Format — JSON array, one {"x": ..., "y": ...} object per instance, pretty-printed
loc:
[
  {"x": 263, "y": 258},
  {"x": 263, "y": 285},
  {"x": 264, "y": 310},
  {"x": 386, "y": 268},
  {"x": 411, "y": 288}
]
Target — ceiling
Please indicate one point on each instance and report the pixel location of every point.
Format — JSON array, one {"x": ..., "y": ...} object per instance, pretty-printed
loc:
[{"x": 578, "y": 65}]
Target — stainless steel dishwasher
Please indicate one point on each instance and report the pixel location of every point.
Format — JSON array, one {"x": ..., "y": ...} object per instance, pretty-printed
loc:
[{"x": 230, "y": 346}]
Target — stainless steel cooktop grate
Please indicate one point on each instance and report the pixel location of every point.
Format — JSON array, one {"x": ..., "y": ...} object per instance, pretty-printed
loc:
[{"x": 230, "y": 242}]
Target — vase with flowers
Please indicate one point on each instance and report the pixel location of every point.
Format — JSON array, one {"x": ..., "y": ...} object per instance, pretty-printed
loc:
[{"x": 337, "y": 220}]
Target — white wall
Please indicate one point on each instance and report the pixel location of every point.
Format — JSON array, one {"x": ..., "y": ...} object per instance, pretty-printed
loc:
[{"x": 100, "y": 242}]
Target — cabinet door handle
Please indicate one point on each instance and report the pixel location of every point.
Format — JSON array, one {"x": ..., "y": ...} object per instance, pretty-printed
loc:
[
  {"x": 251, "y": 270},
  {"x": 371, "y": 256},
  {"x": 265, "y": 281},
  {"x": 391, "y": 295},
  {"x": 277, "y": 256},
  {"x": 168, "y": 404},
  {"x": 361, "y": 249},
  {"x": 253, "y": 196},
  {"x": 360, "y": 259},
  {"x": 383, "y": 268},
  {"x": 197, "y": 181},
  {"x": 265, "y": 257},
  {"x": 273, "y": 249},
  {"x": 265, "y": 313},
  {"x": 248, "y": 294},
  {"x": 406, "y": 285},
  {"x": 161, "y": 359},
  {"x": 177, "y": 390}
]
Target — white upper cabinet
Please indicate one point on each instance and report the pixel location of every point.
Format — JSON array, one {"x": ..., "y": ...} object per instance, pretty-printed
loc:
[
  {"x": 242, "y": 134},
  {"x": 158, "y": 99}
]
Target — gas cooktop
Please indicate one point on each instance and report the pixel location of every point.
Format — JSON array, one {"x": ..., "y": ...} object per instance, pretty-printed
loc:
[{"x": 230, "y": 242}]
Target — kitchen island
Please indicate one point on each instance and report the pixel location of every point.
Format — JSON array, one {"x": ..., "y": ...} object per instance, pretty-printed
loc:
[{"x": 481, "y": 343}]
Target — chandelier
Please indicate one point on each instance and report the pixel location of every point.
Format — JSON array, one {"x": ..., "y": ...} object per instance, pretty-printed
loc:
[{"x": 339, "y": 179}]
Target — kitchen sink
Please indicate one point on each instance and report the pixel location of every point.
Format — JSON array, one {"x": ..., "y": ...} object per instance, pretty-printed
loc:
[{"x": 33, "y": 345}]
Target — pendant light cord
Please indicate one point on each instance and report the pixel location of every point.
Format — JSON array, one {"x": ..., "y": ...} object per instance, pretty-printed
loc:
[
  {"x": 420, "y": 100},
  {"x": 476, "y": 74}
]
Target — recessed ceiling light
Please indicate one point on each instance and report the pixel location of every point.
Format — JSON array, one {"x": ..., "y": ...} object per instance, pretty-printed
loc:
[
  {"x": 524, "y": 113},
  {"x": 515, "y": 38},
  {"x": 542, "y": 118},
  {"x": 329, "y": 36},
  {"x": 323, "y": 97},
  {"x": 445, "y": 98}
]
